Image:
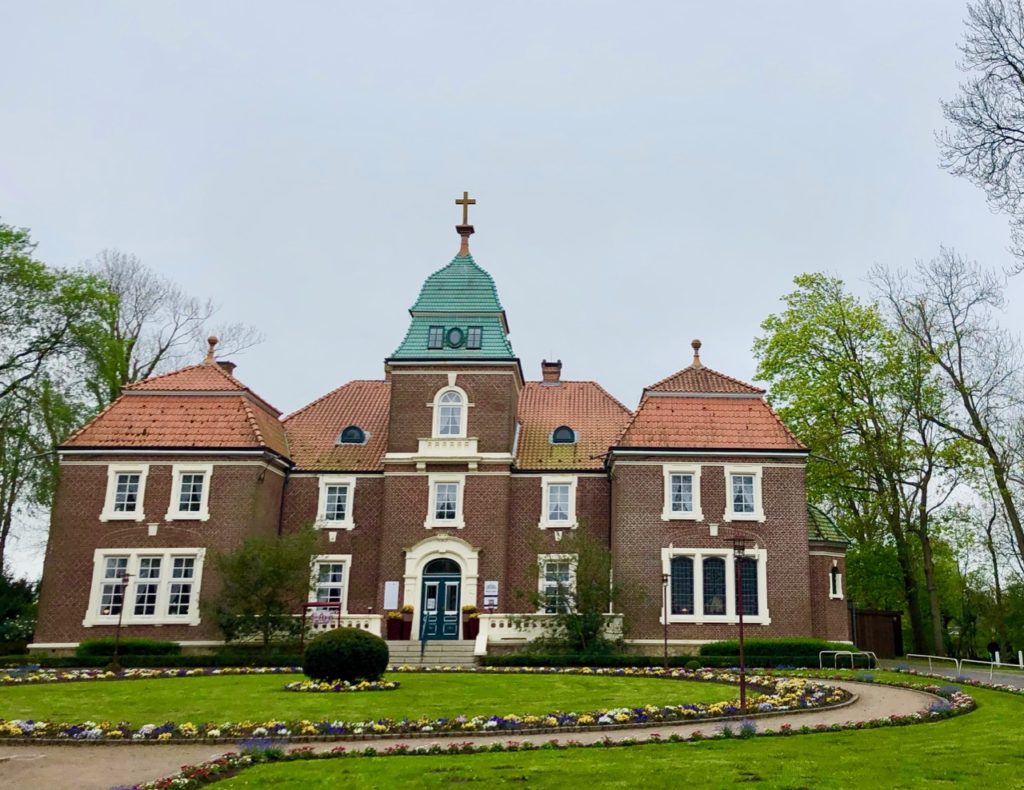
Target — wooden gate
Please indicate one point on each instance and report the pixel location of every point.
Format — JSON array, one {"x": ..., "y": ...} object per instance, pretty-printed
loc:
[{"x": 879, "y": 631}]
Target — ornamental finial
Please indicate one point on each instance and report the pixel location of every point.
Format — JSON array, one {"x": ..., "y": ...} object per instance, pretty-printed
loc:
[
  {"x": 465, "y": 230},
  {"x": 212, "y": 341},
  {"x": 696, "y": 354}
]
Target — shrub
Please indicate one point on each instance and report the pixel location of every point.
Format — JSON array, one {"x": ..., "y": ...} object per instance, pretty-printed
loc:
[
  {"x": 346, "y": 654},
  {"x": 104, "y": 647},
  {"x": 692, "y": 664},
  {"x": 773, "y": 648}
]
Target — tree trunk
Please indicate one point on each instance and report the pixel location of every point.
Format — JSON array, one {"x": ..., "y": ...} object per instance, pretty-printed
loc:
[
  {"x": 1000, "y": 611},
  {"x": 918, "y": 633},
  {"x": 934, "y": 606}
]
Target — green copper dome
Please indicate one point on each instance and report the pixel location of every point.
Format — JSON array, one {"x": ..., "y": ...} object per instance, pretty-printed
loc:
[{"x": 461, "y": 296}]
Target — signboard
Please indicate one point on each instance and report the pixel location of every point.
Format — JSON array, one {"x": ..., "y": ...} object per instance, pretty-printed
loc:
[
  {"x": 390, "y": 595},
  {"x": 491, "y": 589},
  {"x": 490, "y": 602},
  {"x": 322, "y": 616}
]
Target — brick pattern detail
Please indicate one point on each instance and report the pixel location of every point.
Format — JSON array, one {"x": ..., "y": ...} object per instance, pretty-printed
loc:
[{"x": 830, "y": 616}]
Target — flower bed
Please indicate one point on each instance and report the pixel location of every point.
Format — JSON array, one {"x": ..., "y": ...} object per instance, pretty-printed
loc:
[
  {"x": 34, "y": 675},
  {"x": 195, "y": 776},
  {"x": 777, "y": 695},
  {"x": 341, "y": 686}
]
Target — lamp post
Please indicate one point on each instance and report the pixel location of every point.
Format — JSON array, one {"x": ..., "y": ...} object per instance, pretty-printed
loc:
[
  {"x": 739, "y": 550},
  {"x": 665, "y": 579},
  {"x": 115, "y": 660}
]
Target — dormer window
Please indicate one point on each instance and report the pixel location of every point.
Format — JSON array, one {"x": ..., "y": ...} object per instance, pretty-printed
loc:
[
  {"x": 474, "y": 338},
  {"x": 353, "y": 434},
  {"x": 563, "y": 434},
  {"x": 435, "y": 339},
  {"x": 450, "y": 413}
]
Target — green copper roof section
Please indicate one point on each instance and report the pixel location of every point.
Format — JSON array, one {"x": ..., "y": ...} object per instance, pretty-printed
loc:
[
  {"x": 494, "y": 344},
  {"x": 459, "y": 287},
  {"x": 821, "y": 527},
  {"x": 460, "y": 295}
]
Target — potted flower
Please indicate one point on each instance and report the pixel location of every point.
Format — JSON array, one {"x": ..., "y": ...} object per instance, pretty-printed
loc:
[
  {"x": 394, "y": 621},
  {"x": 470, "y": 621},
  {"x": 407, "y": 621}
]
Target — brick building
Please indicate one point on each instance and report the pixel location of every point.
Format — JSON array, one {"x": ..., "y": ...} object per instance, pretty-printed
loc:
[{"x": 451, "y": 481}]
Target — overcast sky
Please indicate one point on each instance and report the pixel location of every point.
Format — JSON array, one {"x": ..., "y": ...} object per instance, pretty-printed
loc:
[{"x": 646, "y": 173}]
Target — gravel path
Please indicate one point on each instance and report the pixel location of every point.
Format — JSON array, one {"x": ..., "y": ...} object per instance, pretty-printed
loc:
[{"x": 100, "y": 767}]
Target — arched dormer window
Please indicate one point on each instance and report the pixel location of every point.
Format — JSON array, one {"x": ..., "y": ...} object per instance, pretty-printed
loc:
[
  {"x": 450, "y": 413},
  {"x": 353, "y": 434},
  {"x": 563, "y": 434}
]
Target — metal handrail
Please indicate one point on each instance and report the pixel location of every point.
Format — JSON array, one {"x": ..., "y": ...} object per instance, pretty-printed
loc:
[
  {"x": 956, "y": 661},
  {"x": 872, "y": 658}
]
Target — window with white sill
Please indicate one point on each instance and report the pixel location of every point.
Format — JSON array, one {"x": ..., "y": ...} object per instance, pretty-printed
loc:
[
  {"x": 450, "y": 413},
  {"x": 556, "y": 582},
  {"x": 330, "y": 579},
  {"x": 744, "y": 500},
  {"x": 835, "y": 582},
  {"x": 126, "y": 493},
  {"x": 190, "y": 492},
  {"x": 445, "y": 506},
  {"x": 558, "y": 502},
  {"x": 681, "y": 493},
  {"x": 335, "y": 506},
  {"x": 702, "y": 586},
  {"x": 145, "y": 586}
]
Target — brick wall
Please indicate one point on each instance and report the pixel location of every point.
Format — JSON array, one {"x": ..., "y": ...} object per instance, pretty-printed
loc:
[
  {"x": 830, "y": 616},
  {"x": 639, "y": 534},
  {"x": 244, "y": 501}
]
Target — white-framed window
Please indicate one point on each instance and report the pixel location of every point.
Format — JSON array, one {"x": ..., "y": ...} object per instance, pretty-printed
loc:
[
  {"x": 450, "y": 407},
  {"x": 329, "y": 583},
  {"x": 835, "y": 582},
  {"x": 190, "y": 492},
  {"x": 126, "y": 493},
  {"x": 556, "y": 582},
  {"x": 702, "y": 586},
  {"x": 334, "y": 510},
  {"x": 558, "y": 502},
  {"x": 743, "y": 493},
  {"x": 445, "y": 507},
  {"x": 682, "y": 493},
  {"x": 152, "y": 586}
]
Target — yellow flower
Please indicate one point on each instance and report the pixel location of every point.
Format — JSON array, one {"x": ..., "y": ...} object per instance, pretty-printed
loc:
[{"x": 164, "y": 736}]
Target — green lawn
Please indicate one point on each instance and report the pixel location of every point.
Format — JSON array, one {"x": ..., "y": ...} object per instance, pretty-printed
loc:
[
  {"x": 262, "y": 698},
  {"x": 981, "y": 749}
]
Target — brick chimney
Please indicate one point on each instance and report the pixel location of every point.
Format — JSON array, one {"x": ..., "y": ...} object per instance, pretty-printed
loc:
[{"x": 552, "y": 371}]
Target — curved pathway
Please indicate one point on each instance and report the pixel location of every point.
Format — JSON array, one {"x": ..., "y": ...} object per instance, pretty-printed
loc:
[{"x": 92, "y": 767}]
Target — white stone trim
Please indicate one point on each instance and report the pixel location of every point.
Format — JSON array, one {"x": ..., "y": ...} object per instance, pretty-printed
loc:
[
  {"x": 572, "y": 559},
  {"x": 113, "y": 470},
  {"x": 463, "y": 413},
  {"x": 350, "y": 500},
  {"x": 92, "y": 616},
  {"x": 836, "y": 595},
  {"x": 698, "y": 556},
  {"x": 554, "y": 480},
  {"x": 667, "y": 514},
  {"x": 756, "y": 470},
  {"x": 435, "y": 547},
  {"x": 433, "y": 479},
  {"x": 344, "y": 559},
  {"x": 203, "y": 514}
]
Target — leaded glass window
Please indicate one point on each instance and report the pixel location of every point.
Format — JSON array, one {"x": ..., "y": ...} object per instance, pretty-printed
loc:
[
  {"x": 682, "y": 585},
  {"x": 751, "y": 605},
  {"x": 714, "y": 585}
]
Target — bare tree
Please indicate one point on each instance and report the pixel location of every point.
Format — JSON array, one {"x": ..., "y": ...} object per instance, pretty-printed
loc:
[
  {"x": 948, "y": 308},
  {"x": 156, "y": 326},
  {"x": 984, "y": 141}
]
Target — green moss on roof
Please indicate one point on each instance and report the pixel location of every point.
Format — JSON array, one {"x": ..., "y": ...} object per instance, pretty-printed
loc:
[
  {"x": 461, "y": 286},
  {"x": 821, "y": 527}
]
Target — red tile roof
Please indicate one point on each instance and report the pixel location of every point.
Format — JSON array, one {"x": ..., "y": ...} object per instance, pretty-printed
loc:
[
  {"x": 707, "y": 423},
  {"x": 182, "y": 421},
  {"x": 195, "y": 407},
  {"x": 204, "y": 377},
  {"x": 698, "y": 378},
  {"x": 584, "y": 406},
  {"x": 314, "y": 429}
]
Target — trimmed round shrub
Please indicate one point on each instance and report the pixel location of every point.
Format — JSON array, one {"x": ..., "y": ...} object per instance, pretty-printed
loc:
[
  {"x": 692, "y": 664},
  {"x": 345, "y": 654}
]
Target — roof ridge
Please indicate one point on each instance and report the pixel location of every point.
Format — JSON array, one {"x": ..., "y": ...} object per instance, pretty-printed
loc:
[
  {"x": 252, "y": 423},
  {"x": 334, "y": 391},
  {"x": 214, "y": 367},
  {"x": 592, "y": 383},
  {"x": 705, "y": 368},
  {"x": 782, "y": 422},
  {"x": 632, "y": 419}
]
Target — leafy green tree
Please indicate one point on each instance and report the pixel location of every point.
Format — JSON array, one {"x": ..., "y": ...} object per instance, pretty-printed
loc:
[
  {"x": 264, "y": 582},
  {"x": 861, "y": 399},
  {"x": 17, "y": 608}
]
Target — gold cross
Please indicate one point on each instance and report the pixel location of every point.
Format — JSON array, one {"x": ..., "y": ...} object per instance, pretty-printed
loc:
[{"x": 465, "y": 201}]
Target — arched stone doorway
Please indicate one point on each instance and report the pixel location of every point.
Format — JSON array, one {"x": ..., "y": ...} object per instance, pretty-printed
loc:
[{"x": 441, "y": 572}]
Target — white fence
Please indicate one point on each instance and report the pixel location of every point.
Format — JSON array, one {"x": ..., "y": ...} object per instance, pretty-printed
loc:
[
  {"x": 851, "y": 654},
  {"x": 366, "y": 622},
  {"x": 518, "y": 629},
  {"x": 958, "y": 663}
]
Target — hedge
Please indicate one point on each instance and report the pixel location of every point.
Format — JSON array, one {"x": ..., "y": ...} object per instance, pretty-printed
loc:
[
  {"x": 772, "y": 647},
  {"x": 228, "y": 659},
  {"x": 104, "y": 647},
  {"x": 542, "y": 660}
]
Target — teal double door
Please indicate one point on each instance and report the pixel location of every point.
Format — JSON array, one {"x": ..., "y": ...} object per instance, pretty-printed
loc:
[{"x": 440, "y": 601}]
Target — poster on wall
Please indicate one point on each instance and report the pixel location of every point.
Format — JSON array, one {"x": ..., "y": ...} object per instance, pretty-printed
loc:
[{"x": 390, "y": 595}]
